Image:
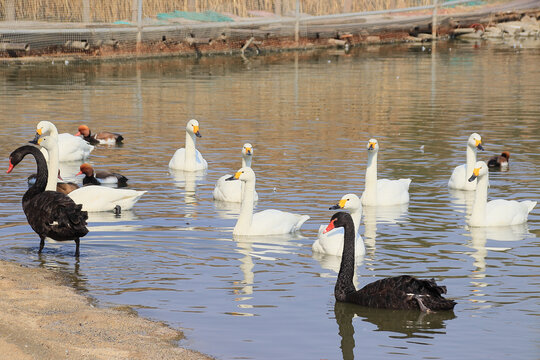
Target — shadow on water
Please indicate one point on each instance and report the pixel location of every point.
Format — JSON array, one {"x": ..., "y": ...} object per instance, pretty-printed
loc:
[{"x": 401, "y": 323}]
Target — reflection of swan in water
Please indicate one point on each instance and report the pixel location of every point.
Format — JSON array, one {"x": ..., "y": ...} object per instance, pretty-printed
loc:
[
  {"x": 462, "y": 198},
  {"x": 381, "y": 214},
  {"x": 108, "y": 221},
  {"x": 332, "y": 263},
  {"x": 401, "y": 323},
  {"x": 187, "y": 180},
  {"x": 262, "y": 248},
  {"x": 479, "y": 237}
]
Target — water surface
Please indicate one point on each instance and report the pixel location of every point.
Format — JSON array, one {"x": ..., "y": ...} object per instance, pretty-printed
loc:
[{"x": 309, "y": 116}]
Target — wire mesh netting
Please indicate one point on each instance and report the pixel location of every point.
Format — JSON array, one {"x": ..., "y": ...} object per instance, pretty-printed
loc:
[{"x": 50, "y": 26}]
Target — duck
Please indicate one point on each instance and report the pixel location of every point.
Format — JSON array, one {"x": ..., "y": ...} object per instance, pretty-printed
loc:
[
  {"x": 461, "y": 173},
  {"x": 104, "y": 137},
  {"x": 49, "y": 213},
  {"x": 93, "y": 198},
  {"x": 189, "y": 158},
  {"x": 382, "y": 192},
  {"x": 331, "y": 242},
  {"x": 497, "y": 212},
  {"x": 499, "y": 161},
  {"x": 101, "y": 177},
  {"x": 231, "y": 191},
  {"x": 266, "y": 222},
  {"x": 70, "y": 148},
  {"x": 403, "y": 292}
]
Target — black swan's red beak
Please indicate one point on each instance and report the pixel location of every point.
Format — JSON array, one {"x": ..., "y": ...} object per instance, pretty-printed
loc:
[
  {"x": 330, "y": 226},
  {"x": 11, "y": 166}
]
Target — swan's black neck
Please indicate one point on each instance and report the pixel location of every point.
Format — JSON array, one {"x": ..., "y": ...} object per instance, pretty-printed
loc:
[
  {"x": 42, "y": 176},
  {"x": 344, "y": 284}
]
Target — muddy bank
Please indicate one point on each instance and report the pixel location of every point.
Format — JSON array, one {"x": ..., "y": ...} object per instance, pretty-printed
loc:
[{"x": 43, "y": 319}]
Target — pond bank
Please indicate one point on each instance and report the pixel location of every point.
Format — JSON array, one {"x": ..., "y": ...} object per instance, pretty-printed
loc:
[
  {"x": 103, "y": 43},
  {"x": 43, "y": 319}
]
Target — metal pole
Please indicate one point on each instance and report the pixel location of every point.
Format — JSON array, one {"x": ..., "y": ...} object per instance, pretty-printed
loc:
[
  {"x": 10, "y": 10},
  {"x": 139, "y": 23},
  {"x": 297, "y": 23},
  {"x": 434, "y": 21},
  {"x": 86, "y": 11}
]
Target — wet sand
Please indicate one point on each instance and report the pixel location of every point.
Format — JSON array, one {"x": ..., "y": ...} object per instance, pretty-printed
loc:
[{"x": 41, "y": 318}]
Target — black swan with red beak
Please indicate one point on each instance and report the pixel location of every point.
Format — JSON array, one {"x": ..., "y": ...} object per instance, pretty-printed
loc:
[
  {"x": 49, "y": 213},
  {"x": 400, "y": 292}
]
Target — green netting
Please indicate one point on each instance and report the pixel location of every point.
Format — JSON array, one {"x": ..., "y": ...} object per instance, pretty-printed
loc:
[{"x": 209, "y": 16}]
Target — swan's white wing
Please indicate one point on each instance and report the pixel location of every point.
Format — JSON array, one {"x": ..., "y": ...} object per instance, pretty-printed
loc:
[
  {"x": 102, "y": 198},
  {"x": 331, "y": 243},
  {"x": 273, "y": 222},
  {"x": 507, "y": 212},
  {"x": 72, "y": 148},
  {"x": 393, "y": 192},
  {"x": 177, "y": 161}
]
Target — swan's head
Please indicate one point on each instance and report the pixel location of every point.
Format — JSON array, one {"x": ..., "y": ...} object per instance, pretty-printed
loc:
[
  {"x": 348, "y": 202},
  {"x": 247, "y": 149},
  {"x": 480, "y": 169},
  {"x": 192, "y": 127},
  {"x": 46, "y": 128},
  {"x": 475, "y": 141},
  {"x": 86, "y": 169},
  {"x": 83, "y": 130},
  {"x": 46, "y": 142},
  {"x": 339, "y": 219},
  {"x": 244, "y": 174},
  {"x": 373, "y": 145}
]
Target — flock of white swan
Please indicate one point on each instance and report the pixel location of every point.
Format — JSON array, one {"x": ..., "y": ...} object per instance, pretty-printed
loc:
[{"x": 240, "y": 188}]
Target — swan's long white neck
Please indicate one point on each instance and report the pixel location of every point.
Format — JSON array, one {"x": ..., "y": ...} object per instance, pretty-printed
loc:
[
  {"x": 480, "y": 201},
  {"x": 246, "y": 211},
  {"x": 190, "y": 154},
  {"x": 246, "y": 161},
  {"x": 52, "y": 165},
  {"x": 471, "y": 161},
  {"x": 370, "y": 191},
  {"x": 356, "y": 216}
]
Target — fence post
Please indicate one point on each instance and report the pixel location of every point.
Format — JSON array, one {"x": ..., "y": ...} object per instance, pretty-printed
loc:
[
  {"x": 297, "y": 23},
  {"x": 139, "y": 23},
  {"x": 347, "y": 6},
  {"x": 10, "y": 10},
  {"x": 86, "y": 12},
  {"x": 277, "y": 9},
  {"x": 434, "y": 20}
]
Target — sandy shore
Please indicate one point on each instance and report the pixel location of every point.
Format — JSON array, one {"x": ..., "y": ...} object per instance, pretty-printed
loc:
[{"x": 40, "y": 318}]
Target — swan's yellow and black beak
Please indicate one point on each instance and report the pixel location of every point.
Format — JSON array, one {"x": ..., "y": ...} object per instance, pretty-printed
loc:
[
  {"x": 234, "y": 177},
  {"x": 339, "y": 205},
  {"x": 36, "y": 138},
  {"x": 479, "y": 145},
  {"x": 371, "y": 145},
  {"x": 330, "y": 226},
  {"x": 248, "y": 151},
  {"x": 476, "y": 171},
  {"x": 196, "y": 131}
]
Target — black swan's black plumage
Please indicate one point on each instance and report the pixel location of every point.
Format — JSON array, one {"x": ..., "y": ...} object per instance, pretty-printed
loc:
[
  {"x": 49, "y": 213},
  {"x": 400, "y": 292}
]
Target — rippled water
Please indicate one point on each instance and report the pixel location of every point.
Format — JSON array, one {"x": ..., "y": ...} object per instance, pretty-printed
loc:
[{"x": 173, "y": 258}]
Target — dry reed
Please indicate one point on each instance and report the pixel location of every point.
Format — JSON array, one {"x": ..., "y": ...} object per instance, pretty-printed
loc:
[{"x": 113, "y": 10}]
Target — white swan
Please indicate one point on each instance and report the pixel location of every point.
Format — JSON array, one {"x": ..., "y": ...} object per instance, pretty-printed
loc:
[
  {"x": 189, "y": 158},
  {"x": 461, "y": 174},
  {"x": 331, "y": 242},
  {"x": 92, "y": 197},
  {"x": 231, "y": 191},
  {"x": 266, "y": 222},
  {"x": 382, "y": 192},
  {"x": 496, "y": 212},
  {"x": 70, "y": 147}
]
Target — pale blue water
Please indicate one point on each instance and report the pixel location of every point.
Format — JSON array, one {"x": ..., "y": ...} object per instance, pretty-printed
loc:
[{"x": 309, "y": 116}]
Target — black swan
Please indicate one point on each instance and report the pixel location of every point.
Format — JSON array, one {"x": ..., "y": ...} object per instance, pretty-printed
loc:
[
  {"x": 101, "y": 177},
  {"x": 103, "y": 137},
  {"x": 49, "y": 213},
  {"x": 499, "y": 161},
  {"x": 400, "y": 292}
]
